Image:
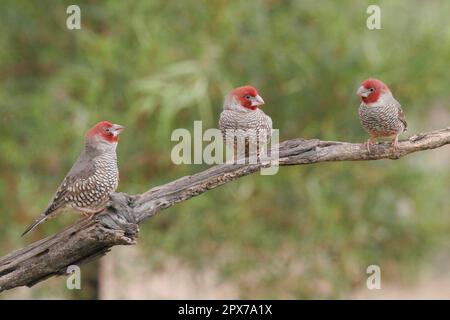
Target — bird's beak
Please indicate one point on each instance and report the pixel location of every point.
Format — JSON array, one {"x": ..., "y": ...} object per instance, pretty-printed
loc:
[
  {"x": 257, "y": 101},
  {"x": 363, "y": 92},
  {"x": 117, "y": 129}
]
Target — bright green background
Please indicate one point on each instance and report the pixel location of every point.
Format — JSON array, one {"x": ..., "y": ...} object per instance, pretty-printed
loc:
[{"x": 158, "y": 65}]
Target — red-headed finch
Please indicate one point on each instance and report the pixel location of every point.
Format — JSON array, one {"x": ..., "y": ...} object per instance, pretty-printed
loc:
[
  {"x": 93, "y": 177},
  {"x": 379, "y": 113},
  {"x": 243, "y": 122}
]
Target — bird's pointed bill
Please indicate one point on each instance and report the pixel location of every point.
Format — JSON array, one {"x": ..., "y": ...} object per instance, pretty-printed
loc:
[
  {"x": 117, "y": 129},
  {"x": 363, "y": 92},
  {"x": 257, "y": 101}
]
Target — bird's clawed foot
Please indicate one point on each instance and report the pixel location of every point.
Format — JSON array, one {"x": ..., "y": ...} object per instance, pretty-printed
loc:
[
  {"x": 368, "y": 144},
  {"x": 88, "y": 216},
  {"x": 394, "y": 147}
]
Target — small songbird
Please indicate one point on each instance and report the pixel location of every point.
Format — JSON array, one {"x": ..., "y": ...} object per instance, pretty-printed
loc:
[
  {"x": 243, "y": 122},
  {"x": 93, "y": 177},
  {"x": 379, "y": 113}
]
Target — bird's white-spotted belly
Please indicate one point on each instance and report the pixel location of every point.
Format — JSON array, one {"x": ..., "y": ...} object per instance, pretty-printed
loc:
[
  {"x": 380, "y": 121},
  {"x": 253, "y": 127},
  {"x": 93, "y": 193}
]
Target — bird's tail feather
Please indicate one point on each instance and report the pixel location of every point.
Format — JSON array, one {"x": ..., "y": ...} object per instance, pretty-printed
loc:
[{"x": 36, "y": 222}]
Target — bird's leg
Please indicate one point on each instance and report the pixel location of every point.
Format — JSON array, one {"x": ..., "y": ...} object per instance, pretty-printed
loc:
[
  {"x": 368, "y": 143},
  {"x": 247, "y": 150},
  {"x": 233, "y": 160},
  {"x": 91, "y": 216},
  {"x": 260, "y": 153},
  {"x": 395, "y": 143},
  {"x": 88, "y": 216}
]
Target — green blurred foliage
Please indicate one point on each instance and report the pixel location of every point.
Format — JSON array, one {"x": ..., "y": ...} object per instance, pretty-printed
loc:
[{"x": 153, "y": 66}]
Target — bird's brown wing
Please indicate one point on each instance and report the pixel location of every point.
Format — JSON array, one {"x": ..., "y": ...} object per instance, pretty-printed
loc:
[
  {"x": 58, "y": 202},
  {"x": 77, "y": 176},
  {"x": 402, "y": 118},
  {"x": 401, "y": 114}
]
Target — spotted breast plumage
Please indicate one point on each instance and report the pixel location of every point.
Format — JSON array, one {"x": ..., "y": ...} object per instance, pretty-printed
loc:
[
  {"x": 384, "y": 120},
  {"x": 89, "y": 193},
  {"x": 254, "y": 125}
]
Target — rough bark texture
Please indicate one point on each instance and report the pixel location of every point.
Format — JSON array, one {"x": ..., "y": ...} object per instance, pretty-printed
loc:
[{"x": 118, "y": 224}]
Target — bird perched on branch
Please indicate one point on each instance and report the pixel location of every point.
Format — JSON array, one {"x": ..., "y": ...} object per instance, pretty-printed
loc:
[
  {"x": 379, "y": 113},
  {"x": 93, "y": 177},
  {"x": 244, "y": 126}
]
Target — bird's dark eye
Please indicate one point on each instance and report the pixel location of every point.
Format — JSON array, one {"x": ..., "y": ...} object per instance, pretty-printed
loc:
[
  {"x": 107, "y": 129},
  {"x": 372, "y": 89},
  {"x": 247, "y": 97}
]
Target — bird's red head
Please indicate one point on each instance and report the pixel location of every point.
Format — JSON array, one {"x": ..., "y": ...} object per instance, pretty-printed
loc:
[
  {"x": 248, "y": 97},
  {"x": 106, "y": 131},
  {"x": 371, "y": 89}
]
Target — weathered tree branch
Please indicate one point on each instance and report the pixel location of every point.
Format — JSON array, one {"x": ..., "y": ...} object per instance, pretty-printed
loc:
[{"x": 118, "y": 224}]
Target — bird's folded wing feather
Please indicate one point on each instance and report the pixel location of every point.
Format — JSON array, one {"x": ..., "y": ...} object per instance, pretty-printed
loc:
[
  {"x": 401, "y": 114},
  {"x": 75, "y": 179}
]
